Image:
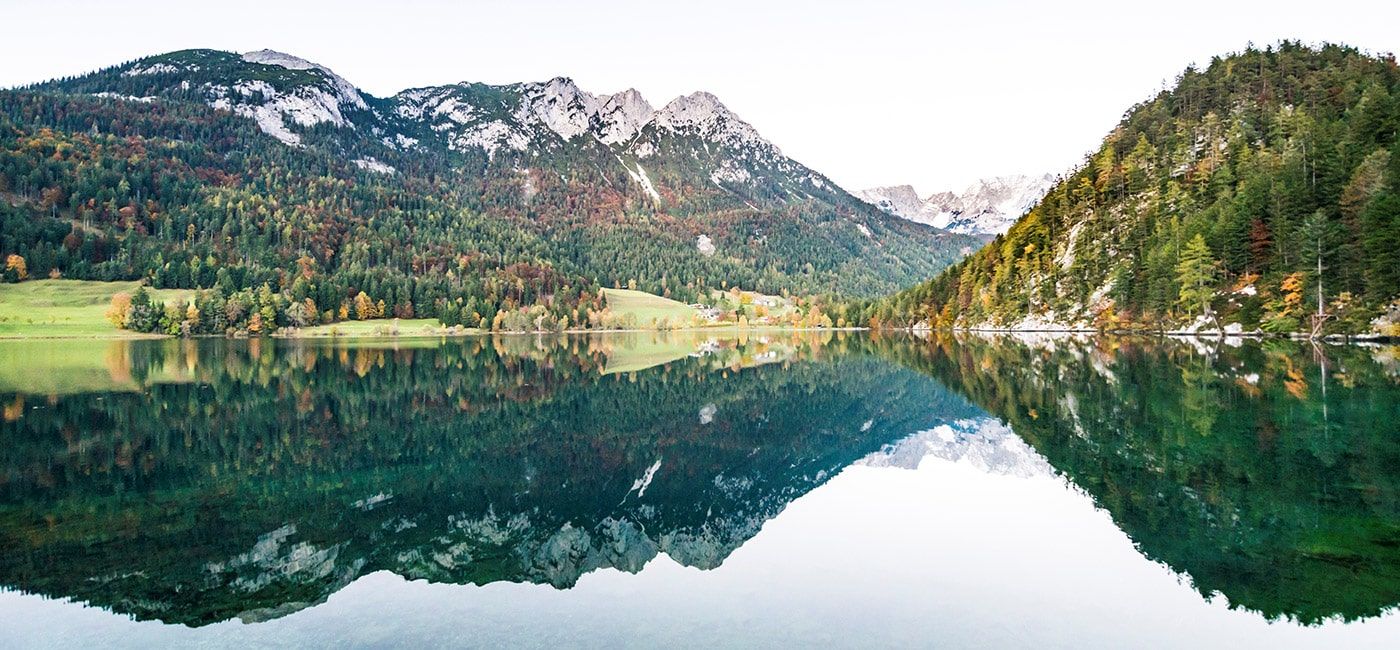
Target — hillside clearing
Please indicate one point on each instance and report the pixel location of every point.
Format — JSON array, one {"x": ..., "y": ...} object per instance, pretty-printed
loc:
[
  {"x": 67, "y": 308},
  {"x": 648, "y": 309}
]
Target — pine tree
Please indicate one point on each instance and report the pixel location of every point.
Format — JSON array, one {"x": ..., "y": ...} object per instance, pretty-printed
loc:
[
  {"x": 1318, "y": 235},
  {"x": 1195, "y": 272}
]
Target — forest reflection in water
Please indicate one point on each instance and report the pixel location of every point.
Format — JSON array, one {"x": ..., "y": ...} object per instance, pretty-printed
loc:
[{"x": 194, "y": 482}]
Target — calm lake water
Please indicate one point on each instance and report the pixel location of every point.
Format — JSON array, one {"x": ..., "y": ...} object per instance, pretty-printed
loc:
[{"x": 648, "y": 489}]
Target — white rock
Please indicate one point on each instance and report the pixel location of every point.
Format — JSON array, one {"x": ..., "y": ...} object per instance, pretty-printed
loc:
[
  {"x": 370, "y": 164},
  {"x": 621, "y": 117}
]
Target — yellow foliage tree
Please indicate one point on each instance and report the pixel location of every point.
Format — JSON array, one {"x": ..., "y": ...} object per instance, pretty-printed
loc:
[
  {"x": 1292, "y": 293},
  {"x": 17, "y": 264},
  {"x": 364, "y": 307},
  {"x": 118, "y": 309}
]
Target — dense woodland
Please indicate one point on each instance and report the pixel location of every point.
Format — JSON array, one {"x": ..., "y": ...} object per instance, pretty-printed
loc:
[
  {"x": 118, "y": 176},
  {"x": 1257, "y": 188}
]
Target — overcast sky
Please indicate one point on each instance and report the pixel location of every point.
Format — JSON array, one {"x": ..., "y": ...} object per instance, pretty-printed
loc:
[{"x": 869, "y": 92}]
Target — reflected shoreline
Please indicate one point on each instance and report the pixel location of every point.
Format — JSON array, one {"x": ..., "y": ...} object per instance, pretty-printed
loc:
[{"x": 194, "y": 481}]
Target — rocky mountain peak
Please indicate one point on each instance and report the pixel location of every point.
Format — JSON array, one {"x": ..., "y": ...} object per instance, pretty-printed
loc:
[
  {"x": 559, "y": 105},
  {"x": 621, "y": 116},
  {"x": 703, "y": 114},
  {"x": 986, "y": 207},
  {"x": 346, "y": 91}
]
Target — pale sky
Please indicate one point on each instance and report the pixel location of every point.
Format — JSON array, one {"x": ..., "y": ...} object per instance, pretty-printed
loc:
[{"x": 869, "y": 92}]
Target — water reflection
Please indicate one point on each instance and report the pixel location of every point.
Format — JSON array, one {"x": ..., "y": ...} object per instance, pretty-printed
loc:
[
  {"x": 194, "y": 482},
  {"x": 250, "y": 479},
  {"x": 1236, "y": 465}
]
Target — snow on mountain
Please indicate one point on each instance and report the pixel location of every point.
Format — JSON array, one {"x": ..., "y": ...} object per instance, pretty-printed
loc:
[
  {"x": 305, "y": 106},
  {"x": 983, "y": 443},
  {"x": 692, "y": 138},
  {"x": 898, "y": 200},
  {"x": 154, "y": 68},
  {"x": 987, "y": 207},
  {"x": 372, "y": 164},
  {"x": 520, "y": 116}
]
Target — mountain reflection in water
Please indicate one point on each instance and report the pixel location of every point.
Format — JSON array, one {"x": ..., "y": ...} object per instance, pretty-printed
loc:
[{"x": 194, "y": 482}]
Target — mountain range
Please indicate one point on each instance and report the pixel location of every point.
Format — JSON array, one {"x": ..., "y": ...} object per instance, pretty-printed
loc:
[
  {"x": 466, "y": 198},
  {"x": 987, "y": 207}
]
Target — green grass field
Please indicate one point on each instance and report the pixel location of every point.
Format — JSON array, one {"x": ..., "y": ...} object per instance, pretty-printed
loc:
[
  {"x": 647, "y": 308},
  {"x": 66, "y": 308}
]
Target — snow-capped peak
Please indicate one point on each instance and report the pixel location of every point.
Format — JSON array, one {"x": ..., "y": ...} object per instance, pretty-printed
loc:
[
  {"x": 983, "y": 443},
  {"x": 988, "y": 206},
  {"x": 899, "y": 200},
  {"x": 703, "y": 113}
]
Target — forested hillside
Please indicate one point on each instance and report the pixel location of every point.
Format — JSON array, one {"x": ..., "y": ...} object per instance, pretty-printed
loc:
[
  {"x": 1257, "y": 188},
  {"x": 286, "y": 190}
]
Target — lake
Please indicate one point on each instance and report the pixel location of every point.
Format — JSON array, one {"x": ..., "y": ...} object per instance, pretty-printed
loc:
[{"x": 649, "y": 489}]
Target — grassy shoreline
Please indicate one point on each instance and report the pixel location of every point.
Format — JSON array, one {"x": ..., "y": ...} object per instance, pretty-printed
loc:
[{"x": 76, "y": 310}]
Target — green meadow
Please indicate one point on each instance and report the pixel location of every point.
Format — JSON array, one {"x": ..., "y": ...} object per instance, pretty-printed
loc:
[
  {"x": 66, "y": 308},
  {"x": 648, "y": 308}
]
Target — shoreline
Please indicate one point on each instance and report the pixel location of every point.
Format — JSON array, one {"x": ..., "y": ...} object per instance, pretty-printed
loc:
[
  {"x": 446, "y": 333},
  {"x": 1368, "y": 337}
]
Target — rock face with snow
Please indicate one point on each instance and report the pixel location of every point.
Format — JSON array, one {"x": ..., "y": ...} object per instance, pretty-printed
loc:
[
  {"x": 287, "y": 96},
  {"x": 987, "y": 207},
  {"x": 983, "y": 443},
  {"x": 899, "y": 200}
]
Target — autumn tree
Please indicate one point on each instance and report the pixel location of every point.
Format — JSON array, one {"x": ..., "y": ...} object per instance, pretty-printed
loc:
[
  {"x": 118, "y": 310},
  {"x": 15, "y": 268},
  {"x": 364, "y": 307}
]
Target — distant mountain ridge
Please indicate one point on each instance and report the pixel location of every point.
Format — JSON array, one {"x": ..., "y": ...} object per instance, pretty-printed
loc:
[
  {"x": 460, "y": 200},
  {"x": 287, "y": 96},
  {"x": 986, "y": 207}
]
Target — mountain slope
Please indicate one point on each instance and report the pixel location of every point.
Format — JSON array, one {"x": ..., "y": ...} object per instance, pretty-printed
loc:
[
  {"x": 1214, "y": 204},
  {"x": 500, "y": 196},
  {"x": 987, "y": 207}
]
